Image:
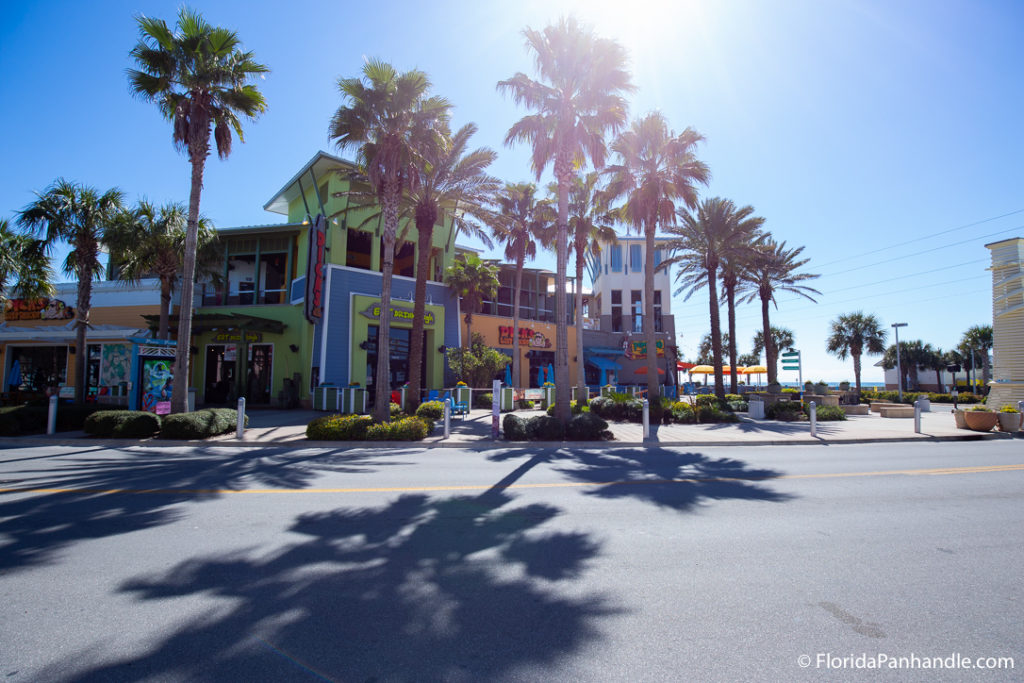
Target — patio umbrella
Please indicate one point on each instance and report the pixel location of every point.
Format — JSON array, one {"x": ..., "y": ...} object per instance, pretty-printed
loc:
[
  {"x": 702, "y": 370},
  {"x": 683, "y": 365},
  {"x": 551, "y": 373},
  {"x": 14, "y": 378},
  {"x": 508, "y": 376},
  {"x": 540, "y": 376},
  {"x": 755, "y": 370}
]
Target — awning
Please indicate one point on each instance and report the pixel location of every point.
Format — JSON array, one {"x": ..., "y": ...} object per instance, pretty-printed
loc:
[
  {"x": 682, "y": 365},
  {"x": 603, "y": 350},
  {"x": 64, "y": 333},
  {"x": 603, "y": 363},
  {"x": 205, "y": 322}
]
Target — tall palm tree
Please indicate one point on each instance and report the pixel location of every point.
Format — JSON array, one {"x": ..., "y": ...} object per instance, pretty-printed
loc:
[
  {"x": 936, "y": 362},
  {"x": 782, "y": 338},
  {"x": 590, "y": 226},
  {"x": 520, "y": 221},
  {"x": 453, "y": 186},
  {"x": 147, "y": 241},
  {"x": 979, "y": 338},
  {"x": 389, "y": 118},
  {"x": 473, "y": 280},
  {"x": 24, "y": 265},
  {"x": 736, "y": 256},
  {"x": 199, "y": 77},
  {"x": 914, "y": 354},
  {"x": 578, "y": 99},
  {"x": 774, "y": 270},
  {"x": 80, "y": 216},
  {"x": 697, "y": 247},
  {"x": 654, "y": 169},
  {"x": 854, "y": 334}
]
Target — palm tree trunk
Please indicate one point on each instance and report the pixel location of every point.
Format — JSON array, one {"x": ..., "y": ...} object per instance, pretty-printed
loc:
[
  {"x": 425, "y": 235},
  {"x": 163, "y": 332},
  {"x": 563, "y": 174},
  {"x": 81, "y": 326},
  {"x": 516, "y": 351},
  {"x": 856, "y": 372},
  {"x": 382, "y": 382},
  {"x": 730, "y": 300},
  {"x": 769, "y": 343},
  {"x": 581, "y": 378},
  {"x": 197, "y": 149},
  {"x": 469, "y": 332},
  {"x": 653, "y": 395},
  {"x": 716, "y": 332}
]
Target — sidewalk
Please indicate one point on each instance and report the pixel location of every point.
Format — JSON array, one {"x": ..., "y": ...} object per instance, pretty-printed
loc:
[{"x": 288, "y": 428}]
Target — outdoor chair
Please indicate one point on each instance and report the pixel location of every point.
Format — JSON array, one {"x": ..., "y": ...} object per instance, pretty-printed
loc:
[{"x": 433, "y": 395}]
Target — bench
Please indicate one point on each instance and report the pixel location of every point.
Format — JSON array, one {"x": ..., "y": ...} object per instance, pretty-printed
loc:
[
  {"x": 861, "y": 409},
  {"x": 901, "y": 411},
  {"x": 878, "y": 405}
]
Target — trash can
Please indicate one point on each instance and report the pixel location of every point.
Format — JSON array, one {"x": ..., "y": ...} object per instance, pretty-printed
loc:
[{"x": 755, "y": 409}]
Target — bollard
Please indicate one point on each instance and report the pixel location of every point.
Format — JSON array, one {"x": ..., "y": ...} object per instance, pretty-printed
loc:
[
  {"x": 917, "y": 416},
  {"x": 240, "y": 425},
  {"x": 813, "y": 412},
  {"x": 51, "y": 417},
  {"x": 647, "y": 420},
  {"x": 447, "y": 417}
]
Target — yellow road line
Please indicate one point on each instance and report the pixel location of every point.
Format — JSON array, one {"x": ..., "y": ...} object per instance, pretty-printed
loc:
[{"x": 977, "y": 469}]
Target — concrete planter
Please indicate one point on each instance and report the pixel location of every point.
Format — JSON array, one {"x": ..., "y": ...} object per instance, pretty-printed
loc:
[
  {"x": 981, "y": 421},
  {"x": 961, "y": 421},
  {"x": 1010, "y": 422}
]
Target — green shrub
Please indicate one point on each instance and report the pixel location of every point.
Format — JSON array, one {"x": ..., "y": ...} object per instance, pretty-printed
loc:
[
  {"x": 980, "y": 409},
  {"x": 201, "y": 424},
  {"x": 395, "y": 410},
  {"x": 406, "y": 429},
  {"x": 514, "y": 427},
  {"x": 432, "y": 410},
  {"x": 683, "y": 413},
  {"x": 787, "y": 411},
  {"x": 122, "y": 423},
  {"x": 738, "y": 406},
  {"x": 1008, "y": 408},
  {"x": 735, "y": 397},
  {"x": 23, "y": 419},
  {"x": 339, "y": 428},
  {"x": 544, "y": 428},
  {"x": 715, "y": 415},
  {"x": 828, "y": 413},
  {"x": 790, "y": 390},
  {"x": 617, "y": 407},
  {"x": 573, "y": 407},
  {"x": 483, "y": 400},
  {"x": 587, "y": 427},
  {"x": 709, "y": 401},
  {"x": 525, "y": 404}
]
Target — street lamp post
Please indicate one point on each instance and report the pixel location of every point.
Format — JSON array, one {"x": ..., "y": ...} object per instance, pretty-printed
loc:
[{"x": 899, "y": 369}]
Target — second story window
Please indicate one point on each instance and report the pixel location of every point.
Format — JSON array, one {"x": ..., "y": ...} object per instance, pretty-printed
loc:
[
  {"x": 616, "y": 258},
  {"x": 636, "y": 260},
  {"x": 360, "y": 250},
  {"x": 616, "y": 310},
  {"x": 637, "y": 305},
  {"x": 657, "y": 257},
  {"x": 658, "y": 325}
]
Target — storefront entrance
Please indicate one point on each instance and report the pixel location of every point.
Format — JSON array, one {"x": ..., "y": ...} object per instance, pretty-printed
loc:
[
  {"x": 221, "y": 364},
  {"x": 36, "y": 368},
  {"x": 399, "y": 363},
  {"x": 222, "y": 368}
]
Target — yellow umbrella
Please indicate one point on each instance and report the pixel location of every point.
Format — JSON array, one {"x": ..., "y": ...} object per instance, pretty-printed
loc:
[
  {"x": 754, "y": 370},
  {"x": 702, "y": 370}
]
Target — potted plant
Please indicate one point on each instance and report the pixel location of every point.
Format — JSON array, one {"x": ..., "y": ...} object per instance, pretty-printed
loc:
[
  {"x": 821, "y": 388},
  {"x": 1010, "y": 418},
  {"x": 980, "y": 419},
  {"x": 844, "y": 386}
]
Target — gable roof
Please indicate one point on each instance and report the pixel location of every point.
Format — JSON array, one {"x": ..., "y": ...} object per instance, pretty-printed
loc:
[{"x": 321, "y": 164}]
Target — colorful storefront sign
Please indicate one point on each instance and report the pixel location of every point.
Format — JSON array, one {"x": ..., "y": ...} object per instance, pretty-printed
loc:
[
  {"x": 251, "y": 337},
  {"x": 37, "y": 309},
  {"x": 527, "y": 337},
  {"x": 636, "y": 350},
  {"x": 314, "y": 308},
  {"x": 398, "y": 314}
]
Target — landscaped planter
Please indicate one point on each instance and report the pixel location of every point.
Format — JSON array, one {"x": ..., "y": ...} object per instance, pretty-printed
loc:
[
  {"x": 961, "y": 421},
  {"x": 981, "y": 421},
  {"x": 1010, "y": 422}
]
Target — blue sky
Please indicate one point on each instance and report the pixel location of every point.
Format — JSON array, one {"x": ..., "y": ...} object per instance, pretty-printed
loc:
[{"x": 884, "y": 137}]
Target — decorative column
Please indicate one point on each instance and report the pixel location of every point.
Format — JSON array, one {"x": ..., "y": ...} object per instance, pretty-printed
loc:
[{"x": 1007, "y": 385}]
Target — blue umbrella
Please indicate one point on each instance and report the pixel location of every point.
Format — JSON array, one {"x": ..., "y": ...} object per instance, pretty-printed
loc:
[
  {"x": 508, "y": 376},
  {"x": 540, "y": 376},
  {"x": 14, "y": 378},
  {"x": 551, "y": 373}
]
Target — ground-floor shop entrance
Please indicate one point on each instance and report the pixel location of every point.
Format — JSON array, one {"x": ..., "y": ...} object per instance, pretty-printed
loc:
[{"x": 226, "y": 362}]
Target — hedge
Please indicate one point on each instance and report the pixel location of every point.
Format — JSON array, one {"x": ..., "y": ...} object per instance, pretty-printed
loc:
[
  {"x": 201, "y": 424},
  {"x": 583, "y": 427},
  {"x": 406, "y": 429},
  {"x": 787, "y": 411},
  {"x": 432, "y": 410},
  {"x": 910, "y": 396},
  {"x": 828, "y": 413},
  {"x": 362, "y": 428},
  {"x": 31, "y": 418},
  {"x": 134, "y": 424},
  {"x": 576, "y": 409}
]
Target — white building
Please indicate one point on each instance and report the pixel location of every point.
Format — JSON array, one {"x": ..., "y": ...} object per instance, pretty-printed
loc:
[{"x": 618, "y": 275}]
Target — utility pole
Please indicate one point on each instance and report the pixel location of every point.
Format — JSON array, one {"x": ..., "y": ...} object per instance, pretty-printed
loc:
[{"x": 899, "y": 368}]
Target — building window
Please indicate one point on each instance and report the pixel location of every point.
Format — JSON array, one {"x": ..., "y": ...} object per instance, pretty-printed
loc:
[
  {"x": 616, "y": 310},
  {"x": 636, "y": 304},
  {"x": 658, "y": 326},
  {"x": 273, "y": 278},
  {"x": 359, "y": 252},
  {"x": 616, "y": 257},
  {"x": 636, "y": 261},
  {"x": 657, "y": 257},
  {"x": 405, "y": 258}
]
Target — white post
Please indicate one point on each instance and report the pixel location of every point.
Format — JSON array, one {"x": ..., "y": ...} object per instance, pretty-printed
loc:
[
  {"x": 917, "y": 416},
  {"x": 647, "y": 419},
  {"x": 813, "y": 411},
  {"x": 240, "y": 425},
  {"x": 447, "y": 417},
  {"x": 51, "y": 417},
  {"x": 496, "y": 409}
]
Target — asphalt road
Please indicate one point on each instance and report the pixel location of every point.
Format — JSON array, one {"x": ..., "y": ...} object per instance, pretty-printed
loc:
[{"x": 610, "y": 564}]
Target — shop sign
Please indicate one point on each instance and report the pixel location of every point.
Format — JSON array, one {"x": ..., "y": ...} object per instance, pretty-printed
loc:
[
  {"x": 638, "y": 349},
  {"x": 398, "y": 314},
  {"x": 37, "y": 309},
  {"x": 314, "y": 308},
  {"x": 527, "y": 337},
  {"x": 251, "y": 337}
]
